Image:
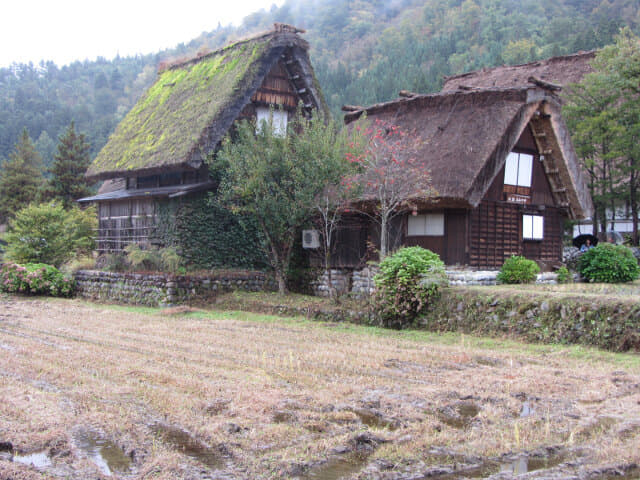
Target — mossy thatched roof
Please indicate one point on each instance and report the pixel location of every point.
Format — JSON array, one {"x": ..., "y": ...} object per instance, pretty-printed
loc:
[{"x": 183, "y": 116}]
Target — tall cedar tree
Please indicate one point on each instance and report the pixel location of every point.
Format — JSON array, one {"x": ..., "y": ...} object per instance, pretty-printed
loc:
[
  {"x": 604, "y": 114},
  {"x": 20, "y": 178},
  {"x": 67, "y": 182},
  {"x": 278, "y": 179}
]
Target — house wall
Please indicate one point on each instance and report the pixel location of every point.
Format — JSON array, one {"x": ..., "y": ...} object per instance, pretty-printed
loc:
[
  {"x": 495, "y": 226},
  {"x": 122, "y": 222}
]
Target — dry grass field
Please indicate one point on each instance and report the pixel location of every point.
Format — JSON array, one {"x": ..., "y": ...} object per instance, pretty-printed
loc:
[{"x": 94, "y": 391}]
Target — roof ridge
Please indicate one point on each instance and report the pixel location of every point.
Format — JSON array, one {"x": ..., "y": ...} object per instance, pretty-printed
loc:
[
  {"x": 579, "y": 53},
  {"x": 279, "y": 29},
  {"x": 354, "y": 112}
]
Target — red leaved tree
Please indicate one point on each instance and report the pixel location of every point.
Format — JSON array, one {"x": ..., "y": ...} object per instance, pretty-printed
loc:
[{"x": 390, "y": 179}]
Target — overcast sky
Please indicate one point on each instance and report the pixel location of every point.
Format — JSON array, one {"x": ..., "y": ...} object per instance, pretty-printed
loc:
[{"x": 68, "y": 30}]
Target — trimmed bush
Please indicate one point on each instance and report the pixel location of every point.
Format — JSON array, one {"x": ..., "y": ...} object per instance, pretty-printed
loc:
[
  {"x": 36, "y": 279},
  {"x": 608, "y": 263},
  {"x": 564, "y": 276},
  {"x": 408, "y": 281},
  {"x": 517, "y": 269}
]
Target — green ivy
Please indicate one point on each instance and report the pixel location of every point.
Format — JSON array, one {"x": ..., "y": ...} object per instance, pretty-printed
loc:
[{"x": 208, "y": 236}]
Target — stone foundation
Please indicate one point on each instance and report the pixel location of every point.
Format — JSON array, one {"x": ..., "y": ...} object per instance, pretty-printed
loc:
[
  {"x": 360, "y": 282},
  {"x": 164, "y": 289}
]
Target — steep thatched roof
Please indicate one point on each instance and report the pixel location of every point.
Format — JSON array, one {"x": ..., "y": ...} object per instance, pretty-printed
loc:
[
  {"x": 465, "y": 137},
  {"x": 557, "y": 70},
  {"x": 187, "y": 111}
]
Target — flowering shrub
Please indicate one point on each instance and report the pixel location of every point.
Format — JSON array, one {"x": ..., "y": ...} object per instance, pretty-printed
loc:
[{"x": 36, "y": 279}]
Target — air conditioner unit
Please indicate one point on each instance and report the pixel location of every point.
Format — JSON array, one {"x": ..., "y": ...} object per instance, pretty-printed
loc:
[{"x": 310, "y": 239}]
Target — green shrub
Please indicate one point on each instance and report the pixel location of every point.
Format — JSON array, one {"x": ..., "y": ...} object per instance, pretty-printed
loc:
[
  {"x": 608, "y": 263},
  {"x": 50, "y": 234},
  {"x": 151, "y": 258},
  {"x": 409, "y": 280},
  {"x": 564, "y": 276},
  {"x": 517, "y": 269},
  {"x": 35, "y": 278},
  {"x": 143, "y": 257},
  {"x": 113, "y": 262},
  {"x": 170, "y": 260}
]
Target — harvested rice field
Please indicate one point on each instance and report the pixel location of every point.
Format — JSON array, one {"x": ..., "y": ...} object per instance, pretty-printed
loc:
[{"x": 95, "y": 391}]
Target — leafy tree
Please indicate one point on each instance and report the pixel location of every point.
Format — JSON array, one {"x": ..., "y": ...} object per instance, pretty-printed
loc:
[
  {"x": 390, "y": 179},
  {"x": 48, "y": 233},
  {"x": 604, "y": 114},
  {"x": 278, "y": 179},
  {"x": 20, "y": 178},
  {"x": 67, "y": 182}
]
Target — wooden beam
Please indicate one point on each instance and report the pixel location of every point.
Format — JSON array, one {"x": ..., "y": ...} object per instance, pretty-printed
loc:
[
  {"x": 543, "y": 84},
  {"x": 352, "y": 108}
]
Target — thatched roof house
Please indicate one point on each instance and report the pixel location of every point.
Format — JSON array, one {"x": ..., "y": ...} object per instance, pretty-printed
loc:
[
  {"x": 190, "y": 107},
  {"x": 159, "y": 149},
  {"x": 559, "y": 71},
  {"x": 468, "y": 140}
]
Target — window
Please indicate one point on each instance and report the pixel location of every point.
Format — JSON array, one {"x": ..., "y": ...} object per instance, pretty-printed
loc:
[
  {"x": 532, "y": 227},
  {"x": 428, "y": 224},
  {"x": 279, "y": 120},
  {"x": 517, "y": 169}
]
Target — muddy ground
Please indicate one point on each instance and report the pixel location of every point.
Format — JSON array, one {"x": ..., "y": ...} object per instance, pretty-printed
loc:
[{"x": 91, "y": 391}]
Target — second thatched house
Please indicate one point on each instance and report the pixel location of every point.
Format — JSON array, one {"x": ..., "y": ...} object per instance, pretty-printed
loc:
[
  {"x": 159, "y": 150},
  {"x": 504, "y": 169}
]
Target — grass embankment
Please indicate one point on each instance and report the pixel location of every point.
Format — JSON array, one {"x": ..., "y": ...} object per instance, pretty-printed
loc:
[{"x": 273, "y": 396}]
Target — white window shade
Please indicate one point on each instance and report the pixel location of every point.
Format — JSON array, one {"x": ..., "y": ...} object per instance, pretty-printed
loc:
[
  {"x": 525, "y": 168},
  {"x": 511, "y": 169},
  {"x": 429, "y": 224},
  {"x": 532, "y": 227},
  {"x": 518, "y": 169},
  {"x": 278, "y": 120}
]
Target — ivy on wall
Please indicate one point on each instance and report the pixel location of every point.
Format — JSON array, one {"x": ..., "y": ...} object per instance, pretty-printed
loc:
[{"x": 208, "y": 236}]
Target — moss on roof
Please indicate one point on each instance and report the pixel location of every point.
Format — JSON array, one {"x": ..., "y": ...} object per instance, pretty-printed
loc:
[{"x": 177, "y": 115}]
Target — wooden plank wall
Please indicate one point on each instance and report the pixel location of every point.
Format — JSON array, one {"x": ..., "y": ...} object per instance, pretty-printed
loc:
[
  {"x": 496, "y": 234},
  {"x": 123, "y": 222}
]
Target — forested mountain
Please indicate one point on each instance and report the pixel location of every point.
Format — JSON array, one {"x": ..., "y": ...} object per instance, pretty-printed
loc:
[{"x": 364, "y": 51}]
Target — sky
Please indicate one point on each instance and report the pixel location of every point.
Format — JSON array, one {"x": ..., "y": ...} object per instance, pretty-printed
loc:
[{"x": 68, "y": 30}]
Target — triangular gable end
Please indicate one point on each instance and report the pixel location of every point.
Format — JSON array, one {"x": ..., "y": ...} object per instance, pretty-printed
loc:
[{"x": 556, "y": 155}]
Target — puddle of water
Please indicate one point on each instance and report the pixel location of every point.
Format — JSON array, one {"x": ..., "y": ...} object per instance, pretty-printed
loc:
[
  {"x": 39, "y": 460},
  {"x": 526, "y": 464},
  {"x": 185, "y": 443},
  {"x": 105, "y": 454},
  {"x": 513, "y": 467},
  {"x": 370, "y": 419},
  {"x": 336, "y": 468},
  {"x": 527, "y": 410},
  {"x": 459, "y": 415}
]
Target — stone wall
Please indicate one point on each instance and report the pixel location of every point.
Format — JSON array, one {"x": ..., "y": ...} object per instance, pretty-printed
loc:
[
  {"x": 612, "y": 324},
  {"x": 164, "y": 289},
  {"x": 360, "y": 282}
]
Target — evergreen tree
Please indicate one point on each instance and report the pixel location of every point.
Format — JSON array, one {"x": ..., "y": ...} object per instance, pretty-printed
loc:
[
  {"x": 67, "y": 181},
  {"x": 604, "y": 115},
  {"x": 20, "y": 178}
]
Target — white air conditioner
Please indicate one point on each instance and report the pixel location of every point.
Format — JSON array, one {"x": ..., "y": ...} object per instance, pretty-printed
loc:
[{"x": 310, "y": 239}]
